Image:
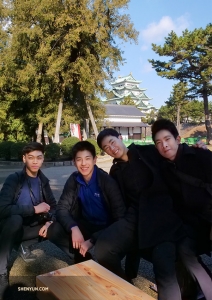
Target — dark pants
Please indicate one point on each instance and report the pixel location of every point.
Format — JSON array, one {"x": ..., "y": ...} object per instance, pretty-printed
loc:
[
  {"x": 187, "y": 250},
  {"x": 118, "y": 240},
  {"x": 13, "y": 231},
  {"x": 112, "y": 246},
  {"x": 62, "y": 239}
]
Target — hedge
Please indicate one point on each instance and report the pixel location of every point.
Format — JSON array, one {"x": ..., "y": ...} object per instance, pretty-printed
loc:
[
  {"x": 52, "y": 151},
  {"x": 16, "y": 150},
  {"x": 67, "y": 145},
  {"x": 94, "y": 142},
  {"x": 5, "y": 149}
]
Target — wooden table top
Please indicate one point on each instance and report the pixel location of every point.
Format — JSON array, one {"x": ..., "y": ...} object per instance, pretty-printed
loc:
[{"x": 87, "y": 281}]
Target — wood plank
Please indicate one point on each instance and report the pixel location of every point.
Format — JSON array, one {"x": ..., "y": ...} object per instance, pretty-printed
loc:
[{"x": 87, "y": 281}]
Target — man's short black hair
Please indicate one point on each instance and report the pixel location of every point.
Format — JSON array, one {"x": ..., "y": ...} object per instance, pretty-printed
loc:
[
  {"x": 33, "y": 146},
  {"x": 106, "y": 132},
  {"x": 81, "y": 146},
  {"x": 164, "y": 124}
]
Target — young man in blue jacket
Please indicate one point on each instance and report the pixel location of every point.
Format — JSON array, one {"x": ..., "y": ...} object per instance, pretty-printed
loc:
[
  {"x": 27, "y": 208},
  {"x": 89, "y": 203}
]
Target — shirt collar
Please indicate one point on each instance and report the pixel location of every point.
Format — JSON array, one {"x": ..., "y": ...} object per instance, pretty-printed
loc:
[{"x": 81, "y": 180}]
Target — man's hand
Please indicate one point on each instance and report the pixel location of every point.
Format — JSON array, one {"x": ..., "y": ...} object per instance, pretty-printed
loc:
[
  {"x": 85, "y": 246},
  {"x": 44, "y": 229},
  {"x": 42, "y": 208},
  {"x": 200, "y": 144},
  {"x": 77, "y": 237}
]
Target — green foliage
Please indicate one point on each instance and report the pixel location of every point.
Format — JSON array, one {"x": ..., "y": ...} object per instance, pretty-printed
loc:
[
  {"x": 67, "y": 145},
  {"x": 189, "y": 60},
  {"x": 167, "y": 112},
  {"x": 127, "y": 101},
  {"x": 191, "y": 112},
  {"x": 52, "y": 151},
  {"x": 5, "y": 150},
  {"x": 16, "y": 150},
  {"x": 94, "y": 142},
  {"x": 150, "y": 117},
  {"x": 57, "y": 51}
]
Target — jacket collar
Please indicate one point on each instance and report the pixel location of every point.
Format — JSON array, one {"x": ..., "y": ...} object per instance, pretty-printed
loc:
[
  {"x": 132, "y": 154},
  {"x": 42, "y": 177}
]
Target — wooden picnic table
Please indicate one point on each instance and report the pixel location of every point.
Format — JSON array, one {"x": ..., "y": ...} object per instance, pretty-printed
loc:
[{"x": 87, "y": 281}]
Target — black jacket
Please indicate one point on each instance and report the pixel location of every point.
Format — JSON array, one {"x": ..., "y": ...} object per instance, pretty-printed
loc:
[
  {"x": 156, "y": 221},
  {"x": 194, "y": 203},
  {"x": 68, "y": 208},
  {"x": 11, "y": 189}
]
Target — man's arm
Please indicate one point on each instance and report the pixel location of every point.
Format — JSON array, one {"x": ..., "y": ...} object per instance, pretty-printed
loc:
[
  {"x": 67, "y": 206},
  {"x": 7, "y": 204},
  {"x": 50, "y": 199},
  {"x": 112, "y": 192}
]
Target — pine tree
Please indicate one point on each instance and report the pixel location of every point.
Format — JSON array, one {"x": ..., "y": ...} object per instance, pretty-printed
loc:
[{"x": 190, "y": 61}]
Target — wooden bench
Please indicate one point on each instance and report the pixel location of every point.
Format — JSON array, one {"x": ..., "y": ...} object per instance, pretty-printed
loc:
[{"x": 87, "y": 280}]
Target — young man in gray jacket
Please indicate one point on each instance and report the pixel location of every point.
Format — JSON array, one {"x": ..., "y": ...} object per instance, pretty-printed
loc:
[{"x": 89, "y": 203}]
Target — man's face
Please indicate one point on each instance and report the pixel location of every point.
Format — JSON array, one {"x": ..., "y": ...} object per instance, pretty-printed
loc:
[
  {"x": 33, "y": 161},
  {"x": 85, "y": 162},
  {"x": 114, "y": 147},
  {"x": 166, "y": 144}
]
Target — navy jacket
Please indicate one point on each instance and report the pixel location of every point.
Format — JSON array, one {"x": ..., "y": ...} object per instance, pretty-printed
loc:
[
  {"x": 69, "y": 210},
  {"x": 11, "y": 189}
]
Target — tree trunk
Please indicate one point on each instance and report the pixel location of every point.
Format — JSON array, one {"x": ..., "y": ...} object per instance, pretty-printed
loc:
[
  {"x": 59, "y": 116},
  {"x": 207, "y": 118},
  {"x": 92, "y": 119},
  {"x": 178, "y": 118},
  {"x": 39, "y": 134}
]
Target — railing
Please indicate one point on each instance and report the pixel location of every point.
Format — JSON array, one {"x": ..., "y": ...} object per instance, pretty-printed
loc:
[{"x": 146, "y": 141}]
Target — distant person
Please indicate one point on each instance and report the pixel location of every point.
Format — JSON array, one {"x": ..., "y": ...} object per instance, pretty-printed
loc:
[
  {"x": 150, "y": 215},
  {"x": 90, "y": 202},
  {"x": 27, "y": 208}
]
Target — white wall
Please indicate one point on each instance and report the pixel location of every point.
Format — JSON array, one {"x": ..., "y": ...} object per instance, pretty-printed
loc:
[{"x": 124, "y": 119}]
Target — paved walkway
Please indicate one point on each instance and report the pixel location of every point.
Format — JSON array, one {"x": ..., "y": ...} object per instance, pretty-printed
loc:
[{"x": 49, "y": 257}]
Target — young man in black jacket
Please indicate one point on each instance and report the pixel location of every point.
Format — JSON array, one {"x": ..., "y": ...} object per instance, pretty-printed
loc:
[
  {"x": 90, "y": 202},
  {"x": 150, "y": 214},
  {"x": 27, "y": 208},
  {"x": 187, "y": 172}
]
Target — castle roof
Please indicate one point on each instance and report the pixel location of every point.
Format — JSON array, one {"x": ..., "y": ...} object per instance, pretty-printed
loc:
[{"x": 128, "y": 78}]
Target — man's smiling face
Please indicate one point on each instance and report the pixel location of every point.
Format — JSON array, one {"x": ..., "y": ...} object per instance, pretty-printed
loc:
[
  {"x": 114, "y": 147},
  {"x": 85, "y": 162}
]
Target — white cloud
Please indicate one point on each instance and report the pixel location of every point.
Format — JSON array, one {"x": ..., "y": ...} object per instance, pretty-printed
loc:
[
  {"x": 155, "y": 32},
  {"x": 144, "y": 47},
  {"x": 147, "y": 68}
]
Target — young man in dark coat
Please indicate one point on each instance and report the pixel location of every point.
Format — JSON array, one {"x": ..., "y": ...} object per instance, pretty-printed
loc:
[
  {"x": 27, "y": 208},
  {"x": 150, "y": 215},
  {"x": 187, "y": 172},
  {"x": 90, "y": 202}
]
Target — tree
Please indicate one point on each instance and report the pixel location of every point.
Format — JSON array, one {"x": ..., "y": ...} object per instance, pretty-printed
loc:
[
  {"x": 190, "y": 61},
  {"x": 167, "y": 112},
  {"x": 150, "y": 117},
  {"x": 65, "y": 51},
  {"x": 177, "y": 99},
  {"x": 127, "y": 101},
  {"x": 191, "y": 112}
]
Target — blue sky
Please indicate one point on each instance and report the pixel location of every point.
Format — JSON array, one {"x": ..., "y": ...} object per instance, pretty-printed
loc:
[{"x": 154, "y": 19}]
